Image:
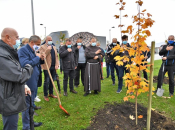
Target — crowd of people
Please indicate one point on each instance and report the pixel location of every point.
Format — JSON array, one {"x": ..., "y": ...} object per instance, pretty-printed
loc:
[{"x": 22, "y": 66}]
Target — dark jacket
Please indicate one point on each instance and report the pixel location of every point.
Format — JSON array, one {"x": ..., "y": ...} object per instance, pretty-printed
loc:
[
  {"x": 126, "y": 53},
  {"x": 69, "y": 59},
  {"x": 107, "y": 58},
  {"x": 77, "y": 51},
  {"x": 90, "y": 54},
  {"x": 27, "y": 56},
  {"x": 12, "y": 81},
  {"x": 169, "y": 54},
  {"x": 109, "y": 50}
]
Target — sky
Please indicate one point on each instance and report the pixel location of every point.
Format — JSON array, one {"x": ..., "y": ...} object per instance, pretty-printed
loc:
[{"x": 94, "y": 16}]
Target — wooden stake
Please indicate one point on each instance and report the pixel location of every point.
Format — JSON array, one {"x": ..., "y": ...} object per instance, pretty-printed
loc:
[{"x": 150, "y": 85}]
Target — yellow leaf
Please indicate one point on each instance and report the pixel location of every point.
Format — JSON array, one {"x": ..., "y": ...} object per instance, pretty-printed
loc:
[
  {"x": 117, "y": 58},
  {"x": 128, "y": 66},
  {"x": 143, "y": 83},
  {"x": 140, "y": 116},
  {"x": 125, "y": 98},
  {"x": 131, "y": 117},
  {"x": 132, "y": 97},
  {"x": 119, "y": 63}
]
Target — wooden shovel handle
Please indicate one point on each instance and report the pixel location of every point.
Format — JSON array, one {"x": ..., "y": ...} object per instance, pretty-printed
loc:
[{"x": 52, "y": 81}]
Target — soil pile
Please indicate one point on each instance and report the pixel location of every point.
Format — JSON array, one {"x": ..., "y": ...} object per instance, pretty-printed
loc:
[{"x": 116, "y": 117}]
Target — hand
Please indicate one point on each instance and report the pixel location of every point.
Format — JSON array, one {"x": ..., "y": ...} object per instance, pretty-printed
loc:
[
  {"x": 164, "y": 58},
  {"x": 169, "y": 48},
  {"x": 38, "y": 54},
  {"x": 69, "y": 49},
  {"x": 49, "y": 47},
  {"x": 43, "y": 56},
  {"x": 98, "y": 51},
  {"x": 75, "y": 67},
  {"x": 96, "y": 57},
  {"x": 124, "y": 61},
  {"x": 78, "y": 47},
  {"x": 27, "y": 90},
  {"x": 56, "y": 67},
  {"x": 146, "y": 57}
]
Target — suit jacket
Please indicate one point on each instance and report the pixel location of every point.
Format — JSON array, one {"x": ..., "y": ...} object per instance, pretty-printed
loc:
[
  {"x": 27, "y": 56},
  {"x": 43, "y": 49}
]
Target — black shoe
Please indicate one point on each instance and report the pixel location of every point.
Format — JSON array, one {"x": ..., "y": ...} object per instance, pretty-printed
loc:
[
  {"x": 73, "y": 91},
  {"x": 86, "y": 94},
  {"x": 155, "y": 91},
  {"x": 65, "y": 93},
  {"x": 95, "y": 92},
  {"x": 113, "y": 83},
  {"x": 36, "y": 108},
  {"x": 107, "y": 77},
  {"x": 37, "y": 124}
]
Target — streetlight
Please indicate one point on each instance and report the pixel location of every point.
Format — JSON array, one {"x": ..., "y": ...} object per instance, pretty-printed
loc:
[
  {"x": 110, "y": 34},
  {"x": 33, "y": 24},
  {"x": 45, "y": 29}
]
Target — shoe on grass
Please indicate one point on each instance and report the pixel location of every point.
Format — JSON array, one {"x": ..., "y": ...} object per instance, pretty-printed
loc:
[
  {"x": 118, "y": 91},
  {"x": 86, "y": 94},
  {"x": 37, "y": 99}
]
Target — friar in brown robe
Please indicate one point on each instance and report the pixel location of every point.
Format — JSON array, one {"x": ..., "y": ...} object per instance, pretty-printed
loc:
[{"x": 92, "y": 72}]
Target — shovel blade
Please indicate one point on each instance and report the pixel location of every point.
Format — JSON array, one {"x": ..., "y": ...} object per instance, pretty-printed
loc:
[
  {"x": 64, "y": 110},
  {"x": 160, "y": 92}
]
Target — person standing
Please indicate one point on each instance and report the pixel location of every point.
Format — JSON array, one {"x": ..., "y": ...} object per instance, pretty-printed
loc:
[
  {"x": 61, "y": 66},
  {"x": 112, "y": 60},
  {"x": 80, "y": 55},
  {"x": 101, "y": 59},
  {"x": 168, "y": 53},
  {"x": 68, "y": 56},
  {"x": 122, "y": 68},
  {"x": 92, "y": 71},
  {"x": 49, "y": 49},
  {"x": 28, "y": 55},
  {"x": 12, "y": 80}
]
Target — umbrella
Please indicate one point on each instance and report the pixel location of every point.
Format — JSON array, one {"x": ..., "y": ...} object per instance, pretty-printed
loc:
[{"x": 85, "y": 36}]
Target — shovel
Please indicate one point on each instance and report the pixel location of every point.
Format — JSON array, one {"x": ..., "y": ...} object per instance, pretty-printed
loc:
[
  {"x": 55, "y": 88},
  {"x": 160, "y": 91}
]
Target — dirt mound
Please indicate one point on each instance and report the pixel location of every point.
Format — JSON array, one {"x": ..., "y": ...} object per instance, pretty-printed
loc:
[
  {"x": 165, "y": 80},
  {"x": 116, "y": 117}
]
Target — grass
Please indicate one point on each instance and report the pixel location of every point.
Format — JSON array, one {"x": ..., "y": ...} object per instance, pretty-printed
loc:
[{"x": 82, "y": 109}]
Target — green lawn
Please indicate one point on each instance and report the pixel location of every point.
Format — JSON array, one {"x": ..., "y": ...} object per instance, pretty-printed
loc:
[{"x": 82, "y": 109}]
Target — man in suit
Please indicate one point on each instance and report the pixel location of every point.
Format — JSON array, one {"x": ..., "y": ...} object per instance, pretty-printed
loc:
[
  {"x": 49, "y": 49},
  {"x": 28, "y": 55}
]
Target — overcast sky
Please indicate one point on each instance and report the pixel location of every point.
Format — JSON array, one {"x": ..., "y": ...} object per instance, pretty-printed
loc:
[{"x": 95, "y": 16}]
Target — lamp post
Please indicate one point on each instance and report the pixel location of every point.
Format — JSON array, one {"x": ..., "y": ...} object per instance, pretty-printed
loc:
[
  {"x": 110, "y": 34},
  {"x": 33, "y": 24},
  {"x": 45, "y": 29}
]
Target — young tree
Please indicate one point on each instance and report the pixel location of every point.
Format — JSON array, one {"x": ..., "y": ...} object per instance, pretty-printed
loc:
[{"x": 135, "y": 83}]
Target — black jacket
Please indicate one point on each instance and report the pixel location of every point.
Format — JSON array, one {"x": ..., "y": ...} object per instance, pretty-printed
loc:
[
  {"x": 109, "y": 50},
  {"x": 69, "y": 59},
  {"x": 169, "y": 54},
  {"x": 77, "y": 51},
  {"x": 12, "y": 81},
  {"x": 107, "y": 58}
]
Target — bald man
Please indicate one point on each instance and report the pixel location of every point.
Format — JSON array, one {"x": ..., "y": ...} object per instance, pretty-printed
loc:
[
  {"x": 112, "y": 61},
  {"x": 49, "y": 49},
  {"x": 168, "y": 53},
  {"x": 12, "y": 80}
]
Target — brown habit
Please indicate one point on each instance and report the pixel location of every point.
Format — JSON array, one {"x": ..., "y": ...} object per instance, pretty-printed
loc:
[{"x": 92, "y": 71}]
